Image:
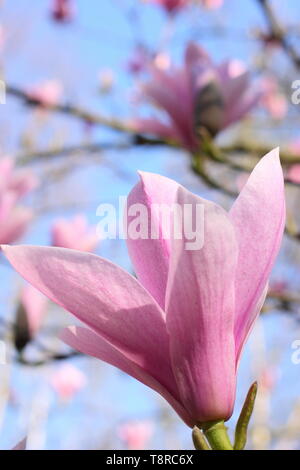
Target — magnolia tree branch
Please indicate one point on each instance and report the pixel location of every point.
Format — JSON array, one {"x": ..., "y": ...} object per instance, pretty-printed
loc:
[
  {"x": 122, "y": 126},
  {"x": 278, "y": 33},
  {"x": 210, "y": 151}
]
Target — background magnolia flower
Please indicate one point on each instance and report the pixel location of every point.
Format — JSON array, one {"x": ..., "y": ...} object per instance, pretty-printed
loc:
[
  {"x": 18, "y": 182},
  {"x": 62, "y": 10},
  {"x": 14, "y": 223},
  {"x": 293, "y": 173},
  {"x": 181, "y": 326},
  {"x": 199, "y": 94},
  {"x": 212, "y": 4},
  {"x": 67, "y": 380},
  {"x": 35, "y": 308},
  {"x": 138, "y": 60},
  {"x": 14, "y": 185},
  {"x": 172, "y": 6},
  {"x": 273, "y": 100},
  {"x": 47, "y": 93},
  {"x": 74, "y": 234},
  {"x": 136, "y": 434}
]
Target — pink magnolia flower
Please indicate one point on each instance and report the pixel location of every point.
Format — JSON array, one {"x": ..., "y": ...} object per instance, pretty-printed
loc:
[
  {"x": 74, "y": 234},
  {"x": 172, "y": 6},
  {"x": 273, "y": 100},
  {"x": 14, "y": 185},
  {"x": 62, "y": 10},
  {"x": 3, "y": 37},
  {"x": 19, "y": 182},
  {"x": 293, "y": 173},
  {"x": 212, "y": 4},
  {"x": 181, "y": 325},
  {"x": 199, "y": 94},
  {"x": 269, "y": 378},
  {"x": 35, "y": 308},
  {"x": 279, "y": 287},
  {"x": 67, "y": 380},
  {"x": 136, "y": 434},
  {"x": 13, "y": 220},
  {"x": 21, "y": 445},
  {"x": 138, "y": 60},
  {"x": 47, "y": 93}
]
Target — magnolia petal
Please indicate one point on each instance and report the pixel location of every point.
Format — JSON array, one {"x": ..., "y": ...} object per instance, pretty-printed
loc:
[
  {"x": 88, "y": 342},
  {"x": 258, "y": 215},
  {"x": 200, "y": 314},
  {"x": 150, "y": 257},
  {"x": 104, "y": 297}
]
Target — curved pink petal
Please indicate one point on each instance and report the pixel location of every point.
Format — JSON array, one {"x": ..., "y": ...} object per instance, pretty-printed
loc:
[
  {"x": 200, "y": 314},
  {"x": 150, "y": 257},
  {"x": 258, "y": 215},
  {"x": 104, "y": 297},
  {"x": 88, "y": 342}
]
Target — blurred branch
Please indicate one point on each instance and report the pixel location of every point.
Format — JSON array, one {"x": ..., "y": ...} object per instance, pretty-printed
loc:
[{"x": 277, "y": 32}]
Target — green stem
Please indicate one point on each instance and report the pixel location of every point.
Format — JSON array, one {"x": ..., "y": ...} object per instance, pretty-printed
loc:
[
  {"x": 199, "y": 439},
  {"x": 243, "y": 421},
  {"x": 216, "y": 434}
]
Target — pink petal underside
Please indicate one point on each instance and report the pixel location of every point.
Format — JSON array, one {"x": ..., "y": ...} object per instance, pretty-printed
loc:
[
  {"x": 88, "y": 342},
  {"x": 21, "y": 445},
  {"x": 155, "y": 127},
  {"x": 200, "y": 314},
  {"x": 259, "y": 218},
  {"x": 171, "y": 93},
  {"x": 195, "y": 55},
  {"x": 104, "y": 297},
  {"x": 150, "y": 257}
]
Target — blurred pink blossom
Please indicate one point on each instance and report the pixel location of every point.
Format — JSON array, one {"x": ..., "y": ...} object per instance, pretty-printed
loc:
[
  {"x": 47, "y": 93},
  {"x": 136, "y": 434},
  {"x": 75, "y": 234},
  {"x": 21, "y": 445},
  {"x": 279, "y": 286},
  {"x": 35, "y": 307},
  {"x": 67, "y": 380},
  {"x": 14, "y": 185},
  {"x": 138, "y": 60},
  {"x": 2, "y": 37},
  {"x": 172, "y": 6},
  {"x": 212, "y": 3},
  {"x": 293, "y": 173},
  {"x": 269, "y": 377},
  {"x": 181, "y": 325},
  {"x": 19, "y": 182},
  {"x": 14, "y": 225},
  {"x": 273, "y": 100},
  {"x": 199, "y": 94},
  {"x": 162, "y": 60},
  {"x": 62, "y": 10}
]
